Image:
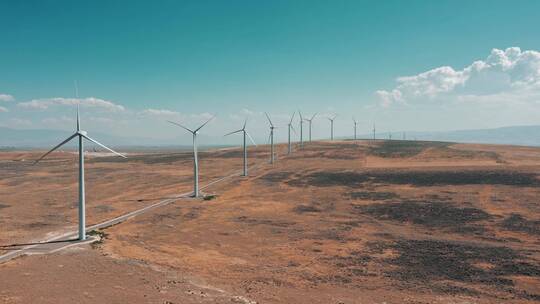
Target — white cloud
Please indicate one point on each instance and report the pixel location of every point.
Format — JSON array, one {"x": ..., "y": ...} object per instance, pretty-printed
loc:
[
  {"x": 247, "y": 112},
  {"x": 6, "y": 97},
  {"x": 204, "y": 116},
  {"x": 45, "y": 103},
  {"x": 2, "y": 109},
  {"x": 388, "y": 98},
  {"x": 504, "y": 76},
  {"x": 158, "y": 112}
]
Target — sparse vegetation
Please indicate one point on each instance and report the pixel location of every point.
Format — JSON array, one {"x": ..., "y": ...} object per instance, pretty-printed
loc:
[
  {"x": 100, "y": 234},
  {"x": 209, "y": 197}
]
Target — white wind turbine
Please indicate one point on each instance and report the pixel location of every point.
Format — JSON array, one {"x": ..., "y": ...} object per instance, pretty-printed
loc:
[
  {"x": 310, "y": 121},
  {"x": 331, "y": 119},
  {"x": 195, "y": 159},
  {"x": 301, "y": 130},
  {"x": 290, "y": 128},
  {"x": 271, "y": 137},
  {"x": 355, "y": 124},
  {"x": 373, "y": 131},
  {"x": 80, "y": 134},
  {"x": 245, "y": 133}
]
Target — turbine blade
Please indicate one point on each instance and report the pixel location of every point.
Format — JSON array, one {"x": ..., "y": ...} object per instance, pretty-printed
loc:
[
  {"x": 292, "y": 117},
  {"x": 249, "y": 136},
  {"x": 313, "y": 116},
  {"x": 56, "y": 147},
  {"x": 245, "y": 122},
  {"x": 78, "y": 119},
  {"x": 234, "y": 132},
  {"x": 76, "y": 89},
  {"x": 103, "y": 146},
  {"x": 268, "y": 141},
  {"x": 300, "y": 113},
  {"x": 268, "y": 117},
  {"x": 174, "y": 123},
  {"x": 292, "y": 128},
  {"x": 204, "y": 124}
]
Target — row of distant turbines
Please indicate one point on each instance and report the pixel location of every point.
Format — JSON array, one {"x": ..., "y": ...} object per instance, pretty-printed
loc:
[{"x": 82, "y": 135}]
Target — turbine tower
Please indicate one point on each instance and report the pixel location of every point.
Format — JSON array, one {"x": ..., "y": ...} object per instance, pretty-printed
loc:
[
  {"x": 80, "y": 134},
  {"x": 331, "y": 119},
  {"x": 195, "y": 158},
  {"x": 271, "y": 137},
  {"x": 355, "y": 123},
  {"x": 310, "y": 121},
  {"x": 245, "y": 133},
  {"x": 373, "y": 131},
  {"x": 301, "y": 130},
  {"x": 290, "y": 128}
]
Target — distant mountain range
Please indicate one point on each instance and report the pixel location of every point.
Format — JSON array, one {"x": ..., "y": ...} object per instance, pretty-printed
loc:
[{"x": 513, "y": 135}]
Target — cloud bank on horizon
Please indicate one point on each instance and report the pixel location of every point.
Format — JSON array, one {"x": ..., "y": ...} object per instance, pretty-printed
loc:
[{"x": 510, "y": 76}]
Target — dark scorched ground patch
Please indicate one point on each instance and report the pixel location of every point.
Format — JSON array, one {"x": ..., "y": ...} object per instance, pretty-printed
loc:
[
  {"x": 517, "y": 222},
  {"x": 374, "y": 196},
  {"x": 403, "y": 148},
  {"x": 275, "y": 177},
  {"x": 430, "y": 214},
  {"x": 429, "y": 261},
  {"x": 328, "y": 179},
  {"x": 417, "y": 178}
]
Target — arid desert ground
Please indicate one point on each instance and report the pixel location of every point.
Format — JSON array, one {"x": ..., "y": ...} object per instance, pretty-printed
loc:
[{"x": 337, "y": 222}]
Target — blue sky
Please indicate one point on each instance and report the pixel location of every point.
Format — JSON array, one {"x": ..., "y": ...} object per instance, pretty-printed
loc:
[{"x": 148, "y": 61}]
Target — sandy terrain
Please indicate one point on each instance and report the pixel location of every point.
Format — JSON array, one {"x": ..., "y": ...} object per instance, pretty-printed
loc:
[{"x": 339, "y": 222}]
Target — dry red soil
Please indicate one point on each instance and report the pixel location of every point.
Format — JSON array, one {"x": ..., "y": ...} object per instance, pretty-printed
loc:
[{"x": 337, "y": 222}]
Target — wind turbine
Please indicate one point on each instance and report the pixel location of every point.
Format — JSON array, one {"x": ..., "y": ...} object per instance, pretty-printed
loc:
[
  {"x": 290, "y": 128},
  {"x": 245, "y": 133},
  {"x": 373, "y": 131},
  {"x": 80, "y": 134},
  {"x": 271, "y": 137},
  {"x": 331, "y": 126},
  {"x": 355, "y": 124},
  {"x": 301, "y": 130},
  {"x": 195, "y": 159},
  {"x": 310, "y": 121}
]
